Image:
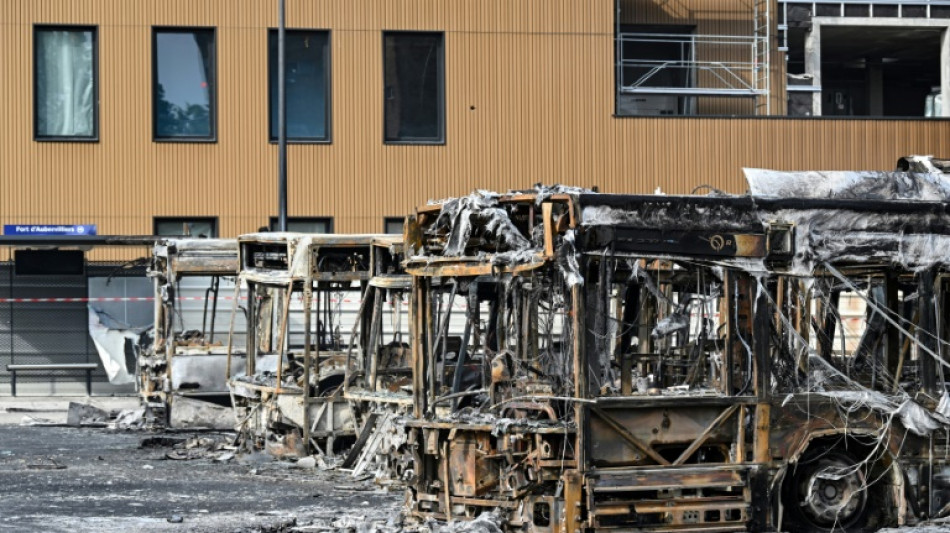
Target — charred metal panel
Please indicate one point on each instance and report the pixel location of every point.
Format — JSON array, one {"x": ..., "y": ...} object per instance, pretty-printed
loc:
[{"x": 682, "y": 363}]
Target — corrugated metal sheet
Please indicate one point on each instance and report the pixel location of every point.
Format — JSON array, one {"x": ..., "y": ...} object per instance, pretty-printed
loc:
[{"x": 529, "y": 98}]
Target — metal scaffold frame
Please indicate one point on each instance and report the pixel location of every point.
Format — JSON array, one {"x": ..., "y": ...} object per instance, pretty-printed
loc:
[{"x": 710, "y": 64}]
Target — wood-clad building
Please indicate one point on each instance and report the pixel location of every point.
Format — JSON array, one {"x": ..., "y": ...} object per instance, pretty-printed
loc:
[
  {"x": 529, "y": 90},
  {"x": 157, "y": 117}
]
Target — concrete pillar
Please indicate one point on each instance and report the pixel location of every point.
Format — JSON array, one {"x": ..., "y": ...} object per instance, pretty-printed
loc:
[{"x": 813, "y": 64}]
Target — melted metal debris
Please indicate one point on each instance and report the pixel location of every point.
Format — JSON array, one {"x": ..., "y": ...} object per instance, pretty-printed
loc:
[
  {"x": 842, "y": 235},
  {"x": 849, "y": 185},
  {"x": 460, "y": 215},
  {"x": 669, "y": 212},
  {"x": 546, "y": 191},
  {"x": 490, "y": 522},
  {"x": 847, "y": 235},
  {"x": 825, "y": 380},
  {"x": 567, "y": 260},
  {"x": 671, "y": 324}
]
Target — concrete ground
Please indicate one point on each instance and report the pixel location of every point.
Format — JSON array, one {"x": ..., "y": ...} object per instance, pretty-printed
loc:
[
  {"x": 62, "y": 479},
  {"x": 66, "y": 480},
  {"x": 53, "y": 408}
]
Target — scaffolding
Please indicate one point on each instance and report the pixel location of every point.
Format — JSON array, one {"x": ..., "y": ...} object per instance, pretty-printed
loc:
[{"x": 698, "y": 65}]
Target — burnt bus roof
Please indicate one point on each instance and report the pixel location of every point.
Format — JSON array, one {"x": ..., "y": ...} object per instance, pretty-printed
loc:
[
  {"x": 281, "y": 257},
  {"x": 197, "y": 257},
  {"x": 804, "y": 219}
]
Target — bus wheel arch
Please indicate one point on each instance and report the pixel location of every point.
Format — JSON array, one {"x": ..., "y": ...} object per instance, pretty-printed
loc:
[{"x": 826, "y": 485}]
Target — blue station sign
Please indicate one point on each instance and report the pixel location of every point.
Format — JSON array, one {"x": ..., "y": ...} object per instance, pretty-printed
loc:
[{"x": 49, "y": 229}]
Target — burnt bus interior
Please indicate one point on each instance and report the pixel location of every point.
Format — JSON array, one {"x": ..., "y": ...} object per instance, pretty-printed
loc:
[
  {"x": 683, "y": 363},
  {"x": 378, "y": 367},
  {"x": 378, "y": 384},
  {"x": 302, "y": 293},
  {"x": 189, "y": 353}
]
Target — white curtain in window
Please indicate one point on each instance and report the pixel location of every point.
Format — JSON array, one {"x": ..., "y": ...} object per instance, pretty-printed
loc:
[{"x": 65, "y": 90}]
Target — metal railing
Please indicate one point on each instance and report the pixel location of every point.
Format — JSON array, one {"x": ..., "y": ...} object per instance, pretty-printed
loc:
[{"x": 703, "y": 65}]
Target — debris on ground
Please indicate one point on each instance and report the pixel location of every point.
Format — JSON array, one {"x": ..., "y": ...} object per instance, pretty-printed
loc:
[
  {"x": 37, "y": 421},
  {"x": 216, "y": 447},
  {"x": 83, "y": 414}
]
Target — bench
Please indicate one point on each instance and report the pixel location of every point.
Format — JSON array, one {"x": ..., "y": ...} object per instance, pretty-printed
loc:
[{"x": 87, "y": 367}]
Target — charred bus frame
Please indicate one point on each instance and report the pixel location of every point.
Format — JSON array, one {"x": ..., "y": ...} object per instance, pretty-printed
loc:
[
  {"x": 671, "y": 363},
  {"x": 176, "y": 366},
  {"x": 289, "y": 400},
  {"x": 378, "y": 370}
]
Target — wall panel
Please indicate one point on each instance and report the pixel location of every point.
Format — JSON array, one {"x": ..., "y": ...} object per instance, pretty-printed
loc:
[{"x": 529, "y": 98}]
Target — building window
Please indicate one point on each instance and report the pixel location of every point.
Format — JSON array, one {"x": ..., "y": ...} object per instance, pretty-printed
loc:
[
  {"x": 308, "y": 85},
  {"x": 66, "y": 91},
  {"x": 305, "y": 224},
  {"x": 183, "y": 74},
  {"x": 393, "y": 225},
  {"x": 414, "y": 87},
  {"x": 205, "y": 227}
]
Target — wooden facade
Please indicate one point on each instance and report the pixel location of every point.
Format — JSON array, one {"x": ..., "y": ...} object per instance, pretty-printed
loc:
[{"x": 529, "y": 88}]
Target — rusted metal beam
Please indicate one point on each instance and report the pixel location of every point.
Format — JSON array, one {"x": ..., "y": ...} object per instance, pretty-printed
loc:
[
  {"x": 892, "y": 302},
  {"x": 927, "y": 326},
  {"x": 417, "y": 304},
  {"x": 701, "y": 439},
  {"x": 573, "y": 502},
  {"x": 629, "y": 437},
  {"x": 307, "y": 300},
  {"x": 581, "y": 412}
]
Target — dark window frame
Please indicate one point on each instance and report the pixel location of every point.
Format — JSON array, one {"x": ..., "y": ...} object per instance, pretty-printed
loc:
[
  {"x": 328, "y": 90},
  {"x": 391, "y": 220},
  {"x": 272, "y": 222},
  {"x": 94, "y": 138},
  {"x": 441, "y": 141},
  {"x": 212, "y": 94},
  {"x": 183, "y": 219}
]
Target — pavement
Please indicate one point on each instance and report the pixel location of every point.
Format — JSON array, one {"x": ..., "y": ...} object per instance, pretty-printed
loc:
[
  {"x": 68, "y": 479},
  {"x": 56, "y": 479}
]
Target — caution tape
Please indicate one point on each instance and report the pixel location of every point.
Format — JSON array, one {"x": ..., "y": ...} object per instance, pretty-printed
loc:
[
  {"x": 76, "y": 300},
  {"x": 134, "y": 299}
]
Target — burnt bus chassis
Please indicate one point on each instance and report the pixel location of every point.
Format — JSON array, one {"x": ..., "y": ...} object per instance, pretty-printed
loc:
[
  {"x": 751, "y": 451},
  {"x": 173, "y": 259}
]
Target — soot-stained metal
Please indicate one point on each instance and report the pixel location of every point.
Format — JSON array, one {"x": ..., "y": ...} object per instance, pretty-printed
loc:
[
  {"x": 770, "y": 362},
  {"x": 301, "y": 290},
  {"x": 185, "y": 359}
]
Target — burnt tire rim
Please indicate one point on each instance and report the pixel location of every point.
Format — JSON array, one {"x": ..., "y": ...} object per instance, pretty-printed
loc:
[{"x": 832, "y": 491}]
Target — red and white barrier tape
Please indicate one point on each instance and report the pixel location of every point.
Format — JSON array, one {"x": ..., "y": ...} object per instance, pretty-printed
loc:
[
  {"x": 75, "y": 300},
  {"x": 132, "y": 299}
]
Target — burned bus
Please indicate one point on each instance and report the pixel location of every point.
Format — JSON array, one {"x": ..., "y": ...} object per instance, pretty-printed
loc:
[
  {"x": 767, "y": 362},
  {"x": 303, "y": 293},
  {"x": 189, "y": 354},
  {"x": 378, "y": 383}
]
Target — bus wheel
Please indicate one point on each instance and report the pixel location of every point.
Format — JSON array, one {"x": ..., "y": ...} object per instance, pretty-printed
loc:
[{"x": 827, "y": 491}]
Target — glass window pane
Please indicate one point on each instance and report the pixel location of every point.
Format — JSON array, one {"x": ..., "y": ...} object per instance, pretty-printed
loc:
[
  {"x": 413, "y": 86},
  {"x": 184, "y": 227},
  {"x": 184, "y": 83},
  {"x": 307, "y": 84},
  {"x": 393, "y": 225},
  {"x": 65, "y": 83}
]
